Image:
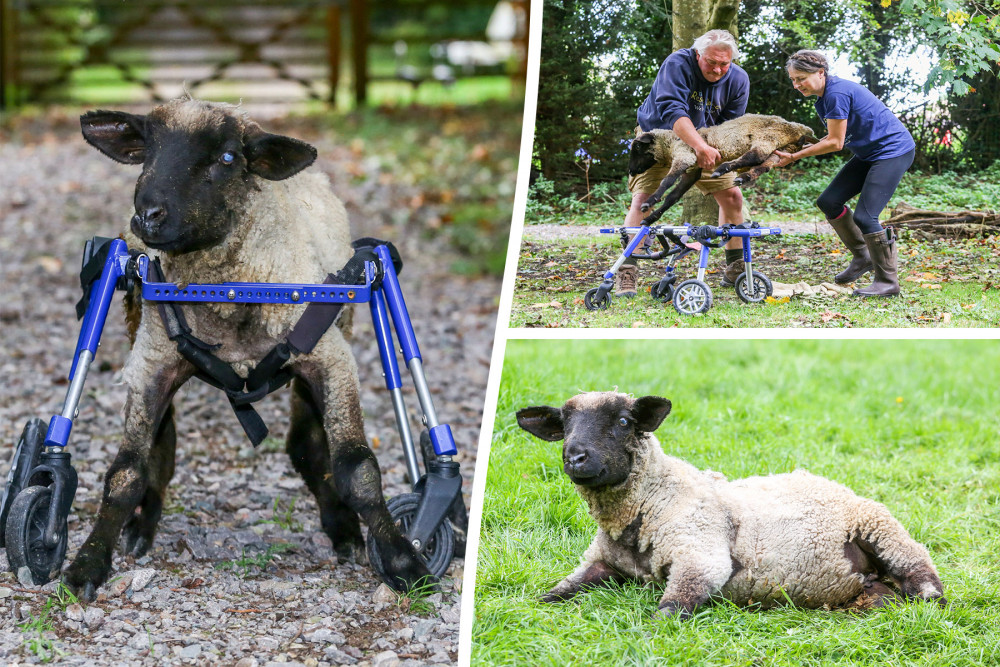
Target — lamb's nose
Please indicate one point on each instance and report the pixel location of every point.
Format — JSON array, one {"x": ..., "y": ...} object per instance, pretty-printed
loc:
[
  {"x": 149, "y": 218},
  {"x": 577, "y": 458}
]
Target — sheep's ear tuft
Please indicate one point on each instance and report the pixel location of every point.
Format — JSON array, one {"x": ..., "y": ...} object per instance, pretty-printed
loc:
[
  {"x": 275, "y": 157},
  {"x": 119, "y": 135},
  {"x": 649, "y": 412},
  {"x": 542, "y": 421}
]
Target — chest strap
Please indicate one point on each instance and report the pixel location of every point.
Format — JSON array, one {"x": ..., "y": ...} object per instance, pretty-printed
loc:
[{"x": 270, "y": 373}]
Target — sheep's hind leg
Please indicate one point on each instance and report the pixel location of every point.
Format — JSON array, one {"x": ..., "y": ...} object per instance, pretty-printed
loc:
[
  {"x": 588, "y": 575},
  {"x": 751, "y": 175},
  {"x": 895, "y": 553},
  {"x": 751, "y": 158},
  {"x": 307, "y": 448}
]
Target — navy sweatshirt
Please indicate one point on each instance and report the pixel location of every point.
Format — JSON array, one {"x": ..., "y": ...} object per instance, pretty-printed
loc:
[{"x": 680, "y": 89}]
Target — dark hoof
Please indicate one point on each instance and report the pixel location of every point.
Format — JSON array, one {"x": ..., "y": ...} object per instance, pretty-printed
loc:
[
  {"x": 549, "y": 598},
  {"x": 86, "y": 574},
  {"x": 351, "y": 552},
  {"x": 739, "y": 181},
  {"x": 133, "y": 541},
  {"x": 404, "y": 570},
  {"x": 672, "y": 610},
  {"x": 716, "y": 174},
  {"x": 645, "y": 208}
]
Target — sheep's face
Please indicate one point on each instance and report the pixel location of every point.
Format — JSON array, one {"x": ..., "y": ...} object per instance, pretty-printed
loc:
[
  {"x": 198, "y": 162},
  {"x": 600, "y": 433},
  {"x": 640, "y": 156}
]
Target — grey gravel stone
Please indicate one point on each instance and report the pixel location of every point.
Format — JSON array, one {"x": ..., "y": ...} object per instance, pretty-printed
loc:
[{"x": 140, "y": 578}]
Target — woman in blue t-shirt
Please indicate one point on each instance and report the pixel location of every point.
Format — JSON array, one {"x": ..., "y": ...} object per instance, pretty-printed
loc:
[{"x": 883, "y": 151}]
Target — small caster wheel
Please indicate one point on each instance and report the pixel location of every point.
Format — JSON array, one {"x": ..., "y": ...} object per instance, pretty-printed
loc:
[
  {"x": 26, "y": 545},
  {"x": 692, "y": 297},
  {"x": 760, "y": 288},
  {"x": 592, "y": 301},
  {"x": 25, "y": 458},
  {"x": 663, "y": 291},
  {"x": 438, "y": 551}
]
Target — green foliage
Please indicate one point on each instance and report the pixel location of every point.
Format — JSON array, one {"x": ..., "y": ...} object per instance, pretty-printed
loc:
[
  {"x": 909, "y": 423},
  {"x": 284, "y": 518},
  {"x": 36, "y": 627}
]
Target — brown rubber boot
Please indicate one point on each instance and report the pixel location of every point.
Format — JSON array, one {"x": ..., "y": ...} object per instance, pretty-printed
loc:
[
  {"x": 851, "y": 236},
  {"x": 626, "y": 280},
  {"x": 882, "y": 248},
  {"x": 732, "y": 273}
]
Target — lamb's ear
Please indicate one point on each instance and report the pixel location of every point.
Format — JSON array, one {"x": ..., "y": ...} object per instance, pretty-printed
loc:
[
  {"x": 119, "y": 135},
  {"x": 275, "y": 157},
  {"x": 645, "y": 138},
  {"x": 649, "y": 412},
  {"x": 542, "y": 421}
]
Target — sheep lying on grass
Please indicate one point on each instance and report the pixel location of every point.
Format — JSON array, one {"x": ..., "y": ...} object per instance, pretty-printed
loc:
[
  {"x": 761, "y": 540},
  {"x": 749, "y": 141},
  {"x": 221, "y": 200}
]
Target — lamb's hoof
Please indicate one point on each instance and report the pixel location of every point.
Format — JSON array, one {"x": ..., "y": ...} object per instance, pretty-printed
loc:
[
  {"x": 717, "y": 173},
  {"x": 550, "y": 598},
  {"x": 85, "y": 575},
  {"x": 351, "y": 552},
  {"x": 133, "y": 540},
  {"x": 671, "y": 610},
  {"x": 645, "y": 207},
  {"x": 739, "y": 181}
]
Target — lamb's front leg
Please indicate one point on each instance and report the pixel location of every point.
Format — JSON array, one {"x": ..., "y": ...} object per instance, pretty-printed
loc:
[
  {"x": 588, "y": 575},
  {"x": 127, "y": 480},
  {"x": 694, "y": 577}
]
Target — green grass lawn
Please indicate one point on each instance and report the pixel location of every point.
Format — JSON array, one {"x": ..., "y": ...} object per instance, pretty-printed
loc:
[
  {"x": 912, "y": 424},
  {"x": 953, "y": 283}
]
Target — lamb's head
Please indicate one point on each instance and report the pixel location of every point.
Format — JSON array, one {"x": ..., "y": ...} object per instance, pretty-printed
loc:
[
  {"x": 601, "y": 433},
  {"x": 199, "y": 163},
  {"x": 640, "y": 155}
]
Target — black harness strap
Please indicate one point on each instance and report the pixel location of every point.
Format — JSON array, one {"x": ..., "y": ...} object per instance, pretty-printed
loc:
[{"x": 270, "y": 373}]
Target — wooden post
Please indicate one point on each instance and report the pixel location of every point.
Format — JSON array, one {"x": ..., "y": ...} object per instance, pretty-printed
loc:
[
  {"x": 359, "y": 49},
  {"x": 333, "y": 50}
]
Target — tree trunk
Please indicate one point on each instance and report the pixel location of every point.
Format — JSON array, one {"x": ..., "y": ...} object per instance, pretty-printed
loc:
[{"x": 692, "y": 19}]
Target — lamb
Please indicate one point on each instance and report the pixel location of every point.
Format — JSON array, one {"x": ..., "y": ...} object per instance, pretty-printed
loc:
[
  {"x": 749, "y": 141},
  {"x": 760, "y": 540},
  {"x": 219, "y": 199}
]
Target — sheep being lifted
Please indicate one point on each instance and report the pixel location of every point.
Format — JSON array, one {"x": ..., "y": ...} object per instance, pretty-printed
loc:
[
  {"x": 795, "y": 536},
  {"x": 749, "y": 141}
]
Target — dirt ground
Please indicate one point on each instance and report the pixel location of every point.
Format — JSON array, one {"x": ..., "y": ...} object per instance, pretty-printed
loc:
[{"x": 240, "y": 572}]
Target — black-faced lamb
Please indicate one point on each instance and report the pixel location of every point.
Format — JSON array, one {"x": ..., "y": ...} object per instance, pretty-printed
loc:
[
  {"x": 221, "y": 200},
  {"x": 748, "y": 142},
  {"x": 761, "y": 540}
]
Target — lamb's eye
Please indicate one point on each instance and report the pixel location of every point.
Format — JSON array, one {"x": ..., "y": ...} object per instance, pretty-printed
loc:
[
  {"x": 228, "y": 157},
  {"x": 622, "y": 421}
]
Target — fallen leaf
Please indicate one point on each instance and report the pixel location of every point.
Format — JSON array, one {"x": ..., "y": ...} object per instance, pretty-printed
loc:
[
  {"x": 783, "y": 299},
  {"x": 49, "y": 264},
  {"x": 549, "y": 304},
  {"x": 637, "y": 325},
  {"x": 946, "y": 318},
  {"x": 931, "y": 286}
]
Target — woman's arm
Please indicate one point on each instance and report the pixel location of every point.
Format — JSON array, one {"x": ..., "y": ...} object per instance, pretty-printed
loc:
[{"x": 831, "y": 143}]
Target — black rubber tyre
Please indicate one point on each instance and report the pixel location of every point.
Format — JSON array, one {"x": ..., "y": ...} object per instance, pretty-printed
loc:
[
  {"x": 759, "y": 290},
  {"x": 25, "y": 457},
  {"x": 25, "y": 536},
  {"x": 591, "y": 302},
  {"x": 692, "y": 297},
  {"x": 663, "y": 291},
  {"x": 437, "y": 553}
]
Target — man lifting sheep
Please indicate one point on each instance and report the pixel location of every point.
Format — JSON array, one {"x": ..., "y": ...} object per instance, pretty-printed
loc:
[{"x": 696, "y": 87}]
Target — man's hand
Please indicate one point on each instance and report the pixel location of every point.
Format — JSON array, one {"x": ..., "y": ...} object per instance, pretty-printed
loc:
[{"x": 707, "y": 156}]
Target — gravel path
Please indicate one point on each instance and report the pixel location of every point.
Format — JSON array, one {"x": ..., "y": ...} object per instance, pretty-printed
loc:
[
  {"x": 554, "y": 232},
  {"x": 240, "y": 572}
]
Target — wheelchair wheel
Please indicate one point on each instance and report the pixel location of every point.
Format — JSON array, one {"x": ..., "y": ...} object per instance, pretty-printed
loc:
[
  {"x": 438, "y": 551},
  {"x": 663, "y": 291},
  {"x": 692, "y": 297},
  {"x": 29, "y": 513},
  {"x": 21, "y": 463},
  {"x": 592, "y": 302},
  {"x": 759, "y": 290}
]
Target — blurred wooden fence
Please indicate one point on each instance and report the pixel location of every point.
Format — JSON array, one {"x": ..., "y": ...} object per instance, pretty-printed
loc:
[{"x": 150, "y": 50}]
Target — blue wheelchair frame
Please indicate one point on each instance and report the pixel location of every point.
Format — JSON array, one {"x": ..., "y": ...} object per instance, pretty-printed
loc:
[{"x": 44, "y": 461}]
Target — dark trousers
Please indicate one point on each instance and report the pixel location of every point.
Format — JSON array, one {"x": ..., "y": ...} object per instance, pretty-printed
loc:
[{"x": 875, "y": 181}]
